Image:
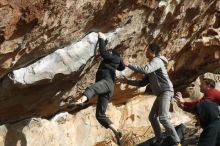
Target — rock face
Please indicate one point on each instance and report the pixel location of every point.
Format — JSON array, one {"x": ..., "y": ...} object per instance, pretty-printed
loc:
[
  {"x": 47, "y": 48},
  {"x": 82, "y": 129}
]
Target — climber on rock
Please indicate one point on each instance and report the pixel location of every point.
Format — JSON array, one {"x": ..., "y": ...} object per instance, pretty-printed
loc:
[
  {"x": 104, "y": 85},
  {"x": 156, "y": 75}
]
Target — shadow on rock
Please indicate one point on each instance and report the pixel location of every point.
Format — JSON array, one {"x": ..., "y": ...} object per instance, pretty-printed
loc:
[{"x": 15, "y": 135}]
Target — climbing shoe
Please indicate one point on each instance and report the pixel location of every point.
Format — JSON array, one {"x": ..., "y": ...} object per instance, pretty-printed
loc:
[
  {"x": 118, "y": 137},
  {"x": 75, "y": 104}
]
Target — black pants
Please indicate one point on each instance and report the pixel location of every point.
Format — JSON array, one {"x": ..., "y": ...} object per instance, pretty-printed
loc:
[{"x": 104, "y": 89}]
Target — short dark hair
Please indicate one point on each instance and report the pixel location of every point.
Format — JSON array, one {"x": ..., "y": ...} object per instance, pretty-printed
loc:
[
  {"x": 209, "y": 82},
  {"x": 155, "y": 48}
]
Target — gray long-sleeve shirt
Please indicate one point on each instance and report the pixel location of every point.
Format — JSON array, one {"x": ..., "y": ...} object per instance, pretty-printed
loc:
[{"x": 155, "y": 74}]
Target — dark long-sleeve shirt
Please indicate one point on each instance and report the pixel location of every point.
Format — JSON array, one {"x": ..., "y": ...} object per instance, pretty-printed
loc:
[
  {"x": 139, "y": 83},
  {"x": 109, "y": 64}
]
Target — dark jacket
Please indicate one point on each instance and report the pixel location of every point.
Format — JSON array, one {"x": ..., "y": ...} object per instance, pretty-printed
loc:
[
  {"x": 208, "y": 114},
  {"x": 109, "y": 64}
]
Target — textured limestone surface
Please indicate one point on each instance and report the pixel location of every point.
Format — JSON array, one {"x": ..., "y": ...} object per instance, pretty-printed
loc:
[{"x": 47, "y": 51}]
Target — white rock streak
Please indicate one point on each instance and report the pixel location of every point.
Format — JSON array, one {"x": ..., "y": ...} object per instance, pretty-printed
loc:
[{"x": 63, "y": 61}]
